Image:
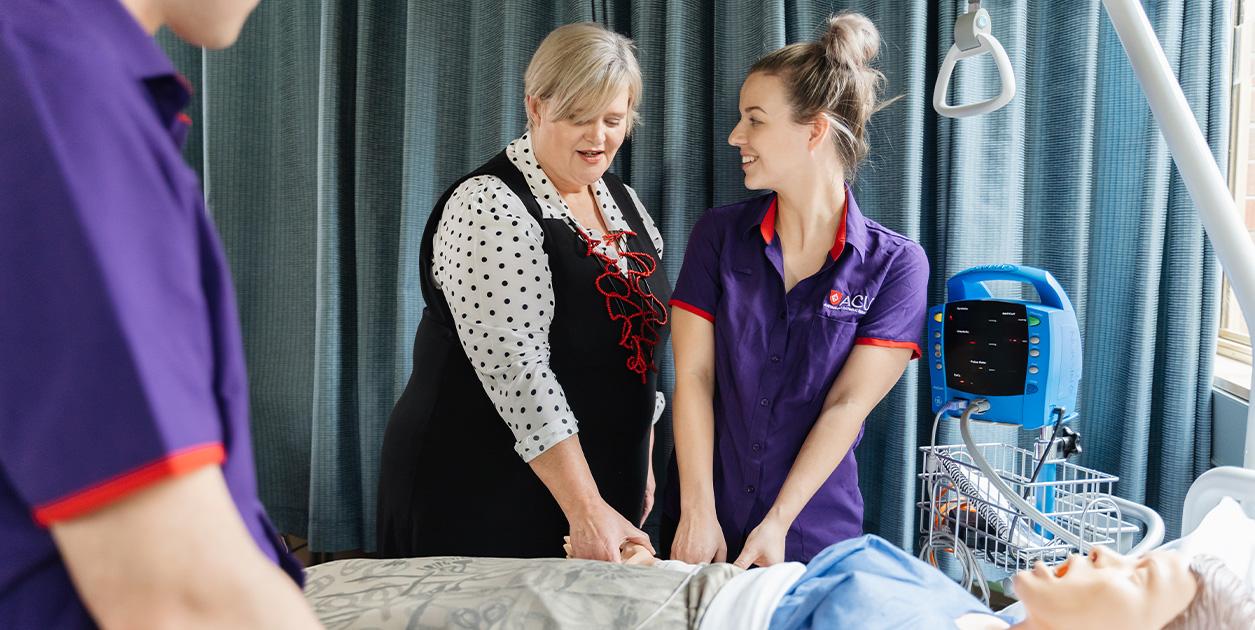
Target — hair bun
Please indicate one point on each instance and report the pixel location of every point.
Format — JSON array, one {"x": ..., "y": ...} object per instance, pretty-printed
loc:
[{"x": 851, "y": 40}]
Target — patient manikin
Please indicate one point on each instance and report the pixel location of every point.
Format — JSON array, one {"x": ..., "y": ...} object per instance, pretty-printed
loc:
[
  {"x": 1103, "y": 590},
  {"x": 864, "y": 582}
]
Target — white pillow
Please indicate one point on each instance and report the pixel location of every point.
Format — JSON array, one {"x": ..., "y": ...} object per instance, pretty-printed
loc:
[{"x": 1226, "y": 533}]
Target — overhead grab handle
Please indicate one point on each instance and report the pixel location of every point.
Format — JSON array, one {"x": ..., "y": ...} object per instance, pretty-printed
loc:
[{"x": 973, "y": 36}]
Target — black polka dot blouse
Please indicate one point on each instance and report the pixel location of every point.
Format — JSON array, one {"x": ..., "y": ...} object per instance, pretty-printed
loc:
[{"x": 489, "y": 263}]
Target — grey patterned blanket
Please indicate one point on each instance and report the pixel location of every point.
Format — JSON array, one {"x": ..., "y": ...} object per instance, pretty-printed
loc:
[{"x": 503, "y": 593}]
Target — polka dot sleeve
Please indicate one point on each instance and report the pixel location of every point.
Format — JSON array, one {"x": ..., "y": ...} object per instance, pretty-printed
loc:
[{"x": 491, "y": 267}]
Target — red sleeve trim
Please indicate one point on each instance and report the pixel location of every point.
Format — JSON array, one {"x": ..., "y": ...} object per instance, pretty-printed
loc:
[
  {"x": 694, "y": 310},
  {"x": 886, "y": 343},
  {"x": 106, "y": 492}
]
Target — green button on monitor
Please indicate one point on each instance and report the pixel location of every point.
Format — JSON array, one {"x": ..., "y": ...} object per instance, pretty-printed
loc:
[{"x": 1033, "y": 321}]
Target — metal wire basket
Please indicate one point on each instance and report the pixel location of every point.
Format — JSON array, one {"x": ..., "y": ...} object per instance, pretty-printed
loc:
[{"x": 961, "y": 507}]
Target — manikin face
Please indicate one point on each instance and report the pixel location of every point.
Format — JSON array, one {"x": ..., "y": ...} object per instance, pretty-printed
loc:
[
  {"x": 576, "y": 153},
  {"x": 774, "y": 148},
  {"x": 209, "y": 23},
  {"x": 1107, "y": 591}
]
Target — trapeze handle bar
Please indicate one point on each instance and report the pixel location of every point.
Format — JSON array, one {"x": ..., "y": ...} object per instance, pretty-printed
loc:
[{"x": 973, "y": 37}]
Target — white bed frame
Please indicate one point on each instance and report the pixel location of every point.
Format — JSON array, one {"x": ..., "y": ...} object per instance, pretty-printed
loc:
[{"x": 1214, "y": 485}]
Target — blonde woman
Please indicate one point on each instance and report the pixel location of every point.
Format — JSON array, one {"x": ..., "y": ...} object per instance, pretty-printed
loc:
[
  {"x": 530, "y": 409},
  {"x": 794, "y": 315}
]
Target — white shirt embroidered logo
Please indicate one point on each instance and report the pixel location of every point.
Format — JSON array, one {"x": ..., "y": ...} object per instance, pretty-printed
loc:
[{"x": 855, "y": 303}]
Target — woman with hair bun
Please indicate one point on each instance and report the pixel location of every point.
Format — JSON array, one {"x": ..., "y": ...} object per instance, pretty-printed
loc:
[{"x": 794, "y": 314}]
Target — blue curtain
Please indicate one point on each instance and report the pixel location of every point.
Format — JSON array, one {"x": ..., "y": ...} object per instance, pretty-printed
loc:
[
  {"x": 323, "y": 138},
  {"x": 328, "y": 132}
]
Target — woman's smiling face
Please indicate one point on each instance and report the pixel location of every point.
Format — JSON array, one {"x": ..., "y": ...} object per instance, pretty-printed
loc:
[{"x": 773, "y": 147}]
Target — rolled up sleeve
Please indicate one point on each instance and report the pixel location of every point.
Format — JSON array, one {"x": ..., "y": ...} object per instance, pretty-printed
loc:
[{"x": 493, "y": 271}]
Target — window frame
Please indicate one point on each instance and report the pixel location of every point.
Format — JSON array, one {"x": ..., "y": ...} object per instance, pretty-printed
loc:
[{"x": 1233, "y": 348}]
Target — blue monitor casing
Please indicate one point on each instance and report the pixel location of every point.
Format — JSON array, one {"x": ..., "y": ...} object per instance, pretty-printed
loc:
[{"x": 1023, "y": 357}]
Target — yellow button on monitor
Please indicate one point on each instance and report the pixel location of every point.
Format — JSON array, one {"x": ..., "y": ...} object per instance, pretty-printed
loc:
[{"x": 936, "y": 317}]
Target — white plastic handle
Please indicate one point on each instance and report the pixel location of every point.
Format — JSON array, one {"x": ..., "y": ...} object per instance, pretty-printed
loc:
[{"x": 988, "y": 44}]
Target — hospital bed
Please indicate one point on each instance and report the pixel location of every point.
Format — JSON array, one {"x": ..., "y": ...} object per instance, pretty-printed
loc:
[
  {"x": 495, "y": 592},
  {"x": 1218, "y": 518}
]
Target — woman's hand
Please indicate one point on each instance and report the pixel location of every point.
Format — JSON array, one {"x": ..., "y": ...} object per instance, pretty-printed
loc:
[
  {"x": 765, "y": 545},
  {"x": 699, "y": 538},
  {"x": 636, "y": 554},
  {"x": 631, "y": 553},
  {"x": 648, "y": 505},
  {"x": 598, "y": 532}
]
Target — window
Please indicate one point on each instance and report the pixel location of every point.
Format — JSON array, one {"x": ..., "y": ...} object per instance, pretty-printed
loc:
[{"x": 1233, "y": 349}]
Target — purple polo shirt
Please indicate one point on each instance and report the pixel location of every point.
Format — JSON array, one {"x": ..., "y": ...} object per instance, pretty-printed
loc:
[
  {"x": 777, "y": 355},
  {"x": 122, "y": 360}
]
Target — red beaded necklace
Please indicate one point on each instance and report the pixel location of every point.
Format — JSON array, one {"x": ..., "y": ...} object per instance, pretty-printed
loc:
[{"x": 641, "y": 318}]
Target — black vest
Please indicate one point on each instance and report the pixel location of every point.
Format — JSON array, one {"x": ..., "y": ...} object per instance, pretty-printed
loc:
[{"x": 450, "y": 480}]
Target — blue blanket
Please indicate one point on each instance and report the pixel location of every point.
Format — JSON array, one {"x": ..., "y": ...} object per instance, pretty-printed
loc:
[{"x": 868, "y": 583}]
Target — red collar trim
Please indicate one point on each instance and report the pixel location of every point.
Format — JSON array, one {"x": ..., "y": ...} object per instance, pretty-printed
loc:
[{"x": 768, "y": 226}]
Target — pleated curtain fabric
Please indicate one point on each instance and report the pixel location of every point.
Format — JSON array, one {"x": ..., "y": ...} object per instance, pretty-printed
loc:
[{"x": 327, "y": 133}]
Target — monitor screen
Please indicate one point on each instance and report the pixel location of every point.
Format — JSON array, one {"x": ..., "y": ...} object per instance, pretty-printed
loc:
[{"x": 986, "y": 347}]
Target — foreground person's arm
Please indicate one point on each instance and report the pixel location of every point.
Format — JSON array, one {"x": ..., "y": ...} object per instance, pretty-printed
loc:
[{"x": 177, "y": 555}]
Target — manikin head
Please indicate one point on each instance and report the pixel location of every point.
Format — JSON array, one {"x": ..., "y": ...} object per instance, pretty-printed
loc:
[
  {"x": 1105, "y": 590},
  {"x": 1108, "y": 591}
]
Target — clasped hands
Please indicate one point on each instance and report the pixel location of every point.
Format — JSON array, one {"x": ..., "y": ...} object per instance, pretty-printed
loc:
[{"x": 630, "y": 552}]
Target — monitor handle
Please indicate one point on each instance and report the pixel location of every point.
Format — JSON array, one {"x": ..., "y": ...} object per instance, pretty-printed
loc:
[{"x": 967, "y": 284}]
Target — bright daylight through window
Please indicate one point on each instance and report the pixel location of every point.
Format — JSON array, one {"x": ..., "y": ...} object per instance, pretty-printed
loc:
[{"x": 1233, "y": 361}]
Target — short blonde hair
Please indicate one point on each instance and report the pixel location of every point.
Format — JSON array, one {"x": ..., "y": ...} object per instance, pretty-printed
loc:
[{"x": 579, "y": 69}]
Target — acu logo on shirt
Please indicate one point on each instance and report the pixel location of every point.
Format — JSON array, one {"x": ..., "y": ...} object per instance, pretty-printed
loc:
[{"x": 853, "y": 302}]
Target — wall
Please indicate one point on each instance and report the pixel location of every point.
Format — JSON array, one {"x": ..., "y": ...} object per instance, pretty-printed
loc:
[{"x": 1228, "y": 429}]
